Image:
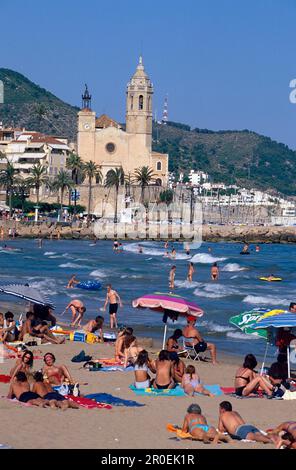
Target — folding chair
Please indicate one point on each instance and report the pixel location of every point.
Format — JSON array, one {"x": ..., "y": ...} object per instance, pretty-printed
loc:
[{"x": 188, "y": 346}]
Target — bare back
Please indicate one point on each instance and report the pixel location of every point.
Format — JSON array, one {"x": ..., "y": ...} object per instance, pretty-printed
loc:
[{"x": 231, "y": 420}]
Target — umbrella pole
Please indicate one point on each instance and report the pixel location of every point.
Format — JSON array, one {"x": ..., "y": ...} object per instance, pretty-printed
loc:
[
  {"x": 264, "y": 359},
  {"x": 288, "y": 360},
  {"x": 164, "y": 335}
]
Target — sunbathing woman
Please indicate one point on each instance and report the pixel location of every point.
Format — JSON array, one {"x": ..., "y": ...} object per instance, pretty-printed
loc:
[
  {"x": 119, "y": 343},
  {"x": 55, "y": 375},
  {"x": 164, "y": 371},
  {"x": 45, "y": 391},
  {"x": 20, "y": 389},
  {"x": 24, "y": 364},
  {"x": 131, "y": 350},
  {"x": 191, "y": 383},
  {"x": 142, "y": 366},
  {"x": 196, "y": 424},
  {"x": 248, "y": 381}
]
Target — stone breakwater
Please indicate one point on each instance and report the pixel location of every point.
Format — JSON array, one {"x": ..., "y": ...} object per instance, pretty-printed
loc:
[{"x": 211, "y": 233}]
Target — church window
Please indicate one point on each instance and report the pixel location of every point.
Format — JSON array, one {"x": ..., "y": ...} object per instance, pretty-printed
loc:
[
  {"x": 110, "y": 147},
  {"x": 141, "y": 102},
  {"x": 132, "y": 102},
  {"x": 158, "y": 166},
  {"x": 149, "y": 103}
]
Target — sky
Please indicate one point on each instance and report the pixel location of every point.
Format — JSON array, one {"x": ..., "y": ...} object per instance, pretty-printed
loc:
[{"x": 224, "y": 64}]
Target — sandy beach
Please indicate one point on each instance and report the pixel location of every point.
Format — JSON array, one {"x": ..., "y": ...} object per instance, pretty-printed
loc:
[{"x": 125, "y": 427}]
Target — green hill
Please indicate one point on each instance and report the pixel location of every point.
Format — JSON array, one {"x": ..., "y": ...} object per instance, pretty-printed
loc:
[
  {"x": 242, "y": 157},
  {"x": 27, "y": 105}
]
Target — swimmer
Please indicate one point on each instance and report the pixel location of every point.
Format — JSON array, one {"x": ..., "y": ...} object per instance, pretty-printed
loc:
[
  {"x": 172, "y": 277},
  {"x": 190, "y": 272},
  {"x": 214, "y": 272},
  {"x": 257, "y": 248},
  {"x": 140, "y": 249},
  {"x": 72, "y": 282},
  {"x": 173, "y": 253}
]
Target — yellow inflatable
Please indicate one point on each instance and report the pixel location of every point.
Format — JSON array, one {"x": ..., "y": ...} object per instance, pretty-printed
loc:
[{"x": 270, "y": 279}]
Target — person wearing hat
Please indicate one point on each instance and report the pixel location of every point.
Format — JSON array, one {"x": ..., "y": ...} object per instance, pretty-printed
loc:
[{"x": 191, "y": 332}]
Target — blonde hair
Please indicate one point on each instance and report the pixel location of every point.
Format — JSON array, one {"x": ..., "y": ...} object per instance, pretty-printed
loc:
[{"x": 190, "y": 370}]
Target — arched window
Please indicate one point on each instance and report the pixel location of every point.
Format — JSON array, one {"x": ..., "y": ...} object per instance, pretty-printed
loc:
[
  {"x": 158, "y": 182},
  {"x": 149, "y": 103},
  {"x": 141, "y": 102},
  {"x": 132, "y": 102},
  {"x": 158, "y": 166}
]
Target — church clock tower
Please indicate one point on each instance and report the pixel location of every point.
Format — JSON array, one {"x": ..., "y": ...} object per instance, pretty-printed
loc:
[
  {"x": 139, "y": 105},
  {"x": 86, "y": 128}
]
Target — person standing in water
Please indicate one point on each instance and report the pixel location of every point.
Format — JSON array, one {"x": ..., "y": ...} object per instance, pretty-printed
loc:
[
  {"x": 172, "y": 277},
  {"x": 72, "y": 282},
  {"x": 173, "y": 253},
  {"x": 214, "y": 272},
  {"x": 190, "y": 272},
  {"x": 112, "y": 298}
]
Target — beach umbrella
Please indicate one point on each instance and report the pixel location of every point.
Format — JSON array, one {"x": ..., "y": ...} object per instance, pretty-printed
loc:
[
  {"x": 283, "y": 319},
  {"x": 171, "y": 305},
  {"x": 24, "y": 291}
]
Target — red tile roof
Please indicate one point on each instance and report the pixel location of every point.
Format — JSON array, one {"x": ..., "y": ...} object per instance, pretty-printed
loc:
[{"x": 105, "y": 121}]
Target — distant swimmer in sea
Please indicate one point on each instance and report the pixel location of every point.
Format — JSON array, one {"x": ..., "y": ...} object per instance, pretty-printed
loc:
[
  {"x": 245, "y": 250},
  {"x": 190, "y": 272},
  {"x": 72, "y": 282},
  {"x": 166, "y": 255},
  {"x": 257, "y": 248},
  {"x": 214, "y": 272},
  {"x": 187, "y": 249},
  {"x": 166, "y": 245},
  {"x": 140, "y": 249},
  {"x": 173, "y": 253},
  {"x": 115, "y": 245},
  {"x": 172, "y": 277}
]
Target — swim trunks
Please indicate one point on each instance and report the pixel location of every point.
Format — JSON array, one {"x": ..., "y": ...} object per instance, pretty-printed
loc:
[
  {"x": 26, "y": 396},
  {"x": 54, "y": 396},
  {"x": 201, "y": 346},
  {"x": 113, "y": 308},
  {"x": 243, "y": 430}
]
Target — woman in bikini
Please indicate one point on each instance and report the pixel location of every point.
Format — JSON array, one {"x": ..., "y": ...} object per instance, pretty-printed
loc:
[
  {"x": 164, "y": 371},
  {"x": 142, "y": 366},
  {"x": 131, "y": 350},
  {"x": 55, "y": 375},
  {"x": 172, "y": 344},
  {"x": 24, "y": 364},
  {"x": 248, "y": 381},
  {"x": 196, "y": 424}
]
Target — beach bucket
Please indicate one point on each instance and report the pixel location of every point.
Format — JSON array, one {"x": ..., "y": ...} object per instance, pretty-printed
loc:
[{"x": 78, "y": 336}]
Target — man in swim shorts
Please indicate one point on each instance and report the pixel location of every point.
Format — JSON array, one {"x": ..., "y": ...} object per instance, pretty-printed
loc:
[
  {"x": 112, "y": 298},
  {"x": 231, "y": 422},
  {"x": 20, "y": 389},
  {"x": 191, "y": 332},
  {"x": 214, "y": 272},
  {"x": 78, "y": 309}
]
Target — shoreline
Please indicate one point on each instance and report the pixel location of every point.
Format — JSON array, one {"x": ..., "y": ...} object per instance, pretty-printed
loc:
[{"x": 210, "y": 233}]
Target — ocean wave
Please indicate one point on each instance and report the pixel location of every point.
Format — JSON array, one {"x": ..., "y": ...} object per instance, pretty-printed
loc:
[
  {"x": 47, "y": 286},
  {"x": 205, "y": 258},
  {"x": 49, "y": 253},
  {"x": 187, "y": 285},
  {"x": 216, "y": 327},
  {"x": 215, "y": 291},
  {"x": 98, "y": 273},
  {"x": 134, "y": 248},
  {"x": 265, "y": 300},
  {"x": 133, "y": 276},
  {"x": 232, "y": 267},
  {"x": 72, "y": 265},
  {"x": 240, "y": 335}
]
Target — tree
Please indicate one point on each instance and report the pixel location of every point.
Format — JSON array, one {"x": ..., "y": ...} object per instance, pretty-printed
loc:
[
  {"x": 8, "y": 179},
  {"x": 22, "y": 191},
  {"x": 62, "y": 182},
  {"x": 166, "y": 196},
  {"x": 38, "y": 178},
  {"x": 114, "y": 179},
  {"x": 143, "y": 176},
  {"x": 90, "y": 171},
  {"x": 75, "y": 164}
]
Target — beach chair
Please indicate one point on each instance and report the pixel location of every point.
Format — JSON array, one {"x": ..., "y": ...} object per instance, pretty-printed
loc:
[{"x": 188, "y": 347}]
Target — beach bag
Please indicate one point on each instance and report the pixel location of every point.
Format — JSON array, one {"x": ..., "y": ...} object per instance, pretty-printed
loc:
[{"x": 91, "y": 338}]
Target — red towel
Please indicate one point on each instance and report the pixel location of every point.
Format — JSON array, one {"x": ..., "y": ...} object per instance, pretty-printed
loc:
[
  {"x": 228, "y": 390},
  {"x": 87, "y": 402},
  {"x": 5, "y": 379}
]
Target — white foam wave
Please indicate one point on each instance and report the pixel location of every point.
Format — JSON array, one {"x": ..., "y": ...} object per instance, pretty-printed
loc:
[
  {"x": 216, "y": 327},
  {"x": 98, "y": 273},
  {"x": 49, "y": 253},
  {"x": 186, "y": 284},
  {"x": 133, "y": 276},
  {"x": 267, "y": 300},
  {"x": 134, "y": 248},
  {"x": 205, "y": 258},
  {"x": 215, "y": 291},
  {"x": 47, "y": 286},
  {"x": 238, "y": 335},
  {"x": 232, "y": 267},
  {"x": 72, "y": 265}
]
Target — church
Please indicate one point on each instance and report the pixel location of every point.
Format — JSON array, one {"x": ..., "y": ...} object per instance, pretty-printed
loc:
[{"x": 104, "y": 141}]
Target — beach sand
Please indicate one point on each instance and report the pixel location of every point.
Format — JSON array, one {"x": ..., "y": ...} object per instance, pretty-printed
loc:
[{"x": 125, "y": 427}]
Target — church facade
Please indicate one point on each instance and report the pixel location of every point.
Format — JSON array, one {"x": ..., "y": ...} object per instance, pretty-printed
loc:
[{"x": 105, "y": 142}]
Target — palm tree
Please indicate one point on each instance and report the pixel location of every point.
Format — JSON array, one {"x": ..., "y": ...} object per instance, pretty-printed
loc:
[
  {"x": 38, "y": 178},
  {"x": 8, "y": 179},
  {"x": 143, "y": 176},
  {"x": 75, "y": 164},
  {"x": 114, "y": 179},
  {"x": 90, "y": 171},
  {"x": 22, "y": 190},
  {"x": 62, "y": 182}
]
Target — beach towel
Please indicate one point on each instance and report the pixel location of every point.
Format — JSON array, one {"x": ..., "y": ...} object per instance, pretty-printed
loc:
[
  {"x": 88, "y": 403},
  {"x": 109, "y": 361},
  {"x": 5, "y": 379},
  {"x": 182, "y": 435},
  {"x": 228, "y": 390},
  {"x": 81, "y": 357},
  {"x": 115, "y": 401},
  {"x": 174, "y": 392},
  {"x": 214, "y": 389},
  {"x": 111, "y": 369}
]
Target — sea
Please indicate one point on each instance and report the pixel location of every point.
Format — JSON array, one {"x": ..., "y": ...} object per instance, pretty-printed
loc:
[{"x": 133, "y": 274}]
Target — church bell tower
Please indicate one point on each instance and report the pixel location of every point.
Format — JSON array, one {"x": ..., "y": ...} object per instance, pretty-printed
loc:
[{"x": 139, "y": 104}]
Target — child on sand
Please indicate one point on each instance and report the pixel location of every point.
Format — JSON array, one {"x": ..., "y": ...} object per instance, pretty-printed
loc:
[{"x": 191, "y": 383}]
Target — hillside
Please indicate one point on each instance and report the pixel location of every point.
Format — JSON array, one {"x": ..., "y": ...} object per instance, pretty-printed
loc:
[
  {"x": 27, "y": 105},
  {"x": 242, "y": 157}
]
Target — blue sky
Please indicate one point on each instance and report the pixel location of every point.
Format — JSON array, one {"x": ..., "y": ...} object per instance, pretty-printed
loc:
[{"x": 225, "y": 64}]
